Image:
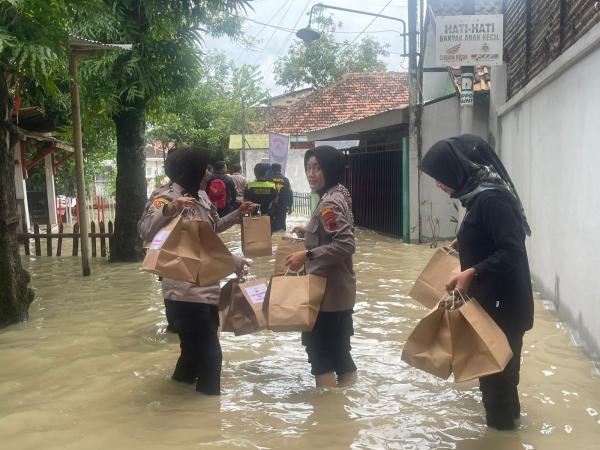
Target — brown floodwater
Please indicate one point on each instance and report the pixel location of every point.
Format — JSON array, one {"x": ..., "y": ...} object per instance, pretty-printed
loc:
[{"x": 91, "y": 370}]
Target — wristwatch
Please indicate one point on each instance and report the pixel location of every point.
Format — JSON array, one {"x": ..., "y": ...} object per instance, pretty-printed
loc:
[{"x": 309, "y": 255}]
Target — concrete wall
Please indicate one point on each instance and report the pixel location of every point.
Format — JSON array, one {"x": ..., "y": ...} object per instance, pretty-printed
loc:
[
  {"x": 294, "y": 168},
  {"x": 550, "y": 134},
  {"x": 440, "y": 120}
]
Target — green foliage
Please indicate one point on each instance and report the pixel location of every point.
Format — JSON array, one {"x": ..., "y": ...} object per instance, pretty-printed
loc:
[
  {"x": 166, "y": 36},
  {"x": 209, "y": 112},
  {"x": 34, "y": 42},
  {"x": 324, "y": 60}
]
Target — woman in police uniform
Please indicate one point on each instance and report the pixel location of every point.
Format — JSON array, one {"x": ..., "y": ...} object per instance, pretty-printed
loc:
[
  {"x": 192, "y": 309},
  {"x": 329, "y": 242}
]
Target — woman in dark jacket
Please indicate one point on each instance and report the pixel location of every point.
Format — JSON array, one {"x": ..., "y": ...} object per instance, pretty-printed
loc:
[{"x": 493, "y": 258}]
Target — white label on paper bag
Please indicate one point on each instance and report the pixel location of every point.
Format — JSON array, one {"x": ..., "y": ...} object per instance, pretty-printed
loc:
[
  {"x": 257, "y": 293},
  {"x": 159, "y": 239}
]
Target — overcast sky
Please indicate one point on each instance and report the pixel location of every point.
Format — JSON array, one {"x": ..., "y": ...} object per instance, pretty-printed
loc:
[{"x": 292, "y": 14}]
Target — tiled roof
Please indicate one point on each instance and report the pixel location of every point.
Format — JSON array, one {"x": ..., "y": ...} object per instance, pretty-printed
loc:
[
  {"x": 153, "y": 151},
  {"x": 352, "y": 97}
]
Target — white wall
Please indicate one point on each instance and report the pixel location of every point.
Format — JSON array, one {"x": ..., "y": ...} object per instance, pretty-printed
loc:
[
  {"x": 294, "y": 168},
  {"x": 550, "y": 145},
  {"x": 21, "y": 191},
  {"x": 440, "y": 120},
  {"x": 154, "y": 166}
]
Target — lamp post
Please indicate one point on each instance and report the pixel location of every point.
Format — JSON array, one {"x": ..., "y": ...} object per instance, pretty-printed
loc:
[{"x": 410, "y": 161}]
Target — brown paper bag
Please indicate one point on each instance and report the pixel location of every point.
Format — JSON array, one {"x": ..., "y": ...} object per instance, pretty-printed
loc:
[
  {"x": 256, "y": 236},
  {"x": 479, "y": 346},
  {"x": 241, "y": 305},
  {"x": 293, "y": 302},
  {"x": 429, "y": 346},
  {"x": 189, "y": 250},
  {"x": 430, "y": 286},
  {"x": 286, "y": 247}
]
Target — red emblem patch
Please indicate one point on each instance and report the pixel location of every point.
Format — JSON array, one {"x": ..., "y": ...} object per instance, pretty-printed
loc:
[
  {"x": 160, "y": 202},
  {"x": 329, "y": 221}
]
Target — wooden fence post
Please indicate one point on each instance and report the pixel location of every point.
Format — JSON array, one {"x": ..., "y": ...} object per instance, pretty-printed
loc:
[
  {"x": 93, "y": 236},
  {"x": 59, "y": 243},
  {"x": 110, "y": 238},
  {"x": 102, "y": 240},
  {"x": 26, "y": 245},
  {"x": 76, "y": 239},
  {"x": 36, "y": 237},
  {"x": 49, "y": 239}
]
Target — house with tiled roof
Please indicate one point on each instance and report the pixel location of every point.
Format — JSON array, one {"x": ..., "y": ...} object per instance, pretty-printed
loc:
[
  {"x": 350, "y": 98},
  {"x": 356, "y": 104}
]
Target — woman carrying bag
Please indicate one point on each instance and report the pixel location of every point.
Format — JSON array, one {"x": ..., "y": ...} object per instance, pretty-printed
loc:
[
  {"x": 192, "y": 309},
  {"x": 329, "y": 242},
  {"x": 493, "y": 257}
]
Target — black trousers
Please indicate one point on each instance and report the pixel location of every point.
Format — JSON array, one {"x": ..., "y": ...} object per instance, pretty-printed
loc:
[
  {"x": 499, "y": 391},
  {"x": 200, "y": 360},
  {"x": 328, "y": 344},
  {"x": 278, "y": 220}
]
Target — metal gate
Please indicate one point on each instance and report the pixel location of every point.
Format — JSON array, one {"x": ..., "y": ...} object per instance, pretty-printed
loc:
[{"x": 374, "y": 178}]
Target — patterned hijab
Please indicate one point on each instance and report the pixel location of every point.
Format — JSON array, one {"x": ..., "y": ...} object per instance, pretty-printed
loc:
[{"x": 468, "y": 164}]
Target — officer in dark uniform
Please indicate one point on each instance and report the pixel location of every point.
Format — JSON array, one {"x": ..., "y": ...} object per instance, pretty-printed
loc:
[
  {"x": 285, "y": 197},
  {"x": 261, "y": 191}
]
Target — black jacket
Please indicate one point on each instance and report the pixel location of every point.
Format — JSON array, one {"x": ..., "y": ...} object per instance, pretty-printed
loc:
[
  {"x": 492, "y": 240},
  {"x": 284, "y": 191},
  {"x": 231, "y": 192}
]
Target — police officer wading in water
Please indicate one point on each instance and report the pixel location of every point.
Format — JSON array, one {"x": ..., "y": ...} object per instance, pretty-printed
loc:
[
  {"x": 262, "y": 192},
  {"x": 329, "y": 242},
  {"x": 192, "y": 309},
  {"x": 285, "y": 197},
  {"x": 493, "y": 258}
]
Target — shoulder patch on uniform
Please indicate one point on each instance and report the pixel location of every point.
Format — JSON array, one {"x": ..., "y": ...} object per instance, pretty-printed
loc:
[
  {"x": 328, "y": 217},
  {"x": 159, "y": 202}
]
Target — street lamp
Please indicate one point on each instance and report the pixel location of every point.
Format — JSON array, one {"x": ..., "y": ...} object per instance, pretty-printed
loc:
[
  {"x": 410, "y": 158},
  {"x": 309, "y": 35}
]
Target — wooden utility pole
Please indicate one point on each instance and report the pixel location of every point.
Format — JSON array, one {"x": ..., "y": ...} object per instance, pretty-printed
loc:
[
  {"x": 78, "y": 144},
  {"x": 243, "y": 155}
]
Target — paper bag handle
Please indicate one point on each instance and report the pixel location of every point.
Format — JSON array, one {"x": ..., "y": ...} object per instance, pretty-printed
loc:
[
  {"x": 288, "y": 269},
  {"x": 449, "y": 301},
  {"x": 257, "y": 210}
]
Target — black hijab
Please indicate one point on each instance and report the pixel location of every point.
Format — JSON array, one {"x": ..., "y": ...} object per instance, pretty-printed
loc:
[
  {"x": 187, "y": 167},
  {"x": 468, "y": 164},
  {"x": 332, "y": 162}
]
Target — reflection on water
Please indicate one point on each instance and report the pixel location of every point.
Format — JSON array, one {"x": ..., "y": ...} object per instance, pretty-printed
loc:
[{"x": 91, "y": 369}]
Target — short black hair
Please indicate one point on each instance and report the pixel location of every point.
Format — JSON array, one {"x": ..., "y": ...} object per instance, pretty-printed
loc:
[
  {"x": 236, "y": 167},
  {"x": 276, "y": 167},
  {"x": 220, "y": 165},
  {"x": 261, "y": 169}
]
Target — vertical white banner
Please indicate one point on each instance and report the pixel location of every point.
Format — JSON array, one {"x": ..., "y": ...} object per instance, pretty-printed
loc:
[{"x": 279, "y": 145}]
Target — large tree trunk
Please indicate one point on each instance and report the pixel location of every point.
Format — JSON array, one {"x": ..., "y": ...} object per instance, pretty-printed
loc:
[
  {"x": 15, "y": 294},
  {"x": 131, "y": 182}
]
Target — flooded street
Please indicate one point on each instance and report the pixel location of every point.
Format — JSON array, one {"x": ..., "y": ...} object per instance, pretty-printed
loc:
[{"x": 91, "y": 370}]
